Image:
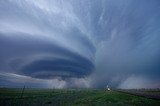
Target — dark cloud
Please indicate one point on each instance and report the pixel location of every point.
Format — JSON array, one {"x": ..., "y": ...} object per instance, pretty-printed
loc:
[
  {"x": 57, "y": 67},
  {"x": 61, "y": 62},
  {"x": 88, "y": 43}
]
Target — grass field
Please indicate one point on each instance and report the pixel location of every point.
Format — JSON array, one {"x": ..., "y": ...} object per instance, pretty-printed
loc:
[{"x": 71, "y": 97}]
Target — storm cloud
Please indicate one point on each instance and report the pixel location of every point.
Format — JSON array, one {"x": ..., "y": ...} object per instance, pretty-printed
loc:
[
  {"x": 80, "y": 43},
  {"x": 41, "y": 59}
]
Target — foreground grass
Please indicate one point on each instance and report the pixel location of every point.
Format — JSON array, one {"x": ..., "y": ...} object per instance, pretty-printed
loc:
[{"x": 87, "y": 97}]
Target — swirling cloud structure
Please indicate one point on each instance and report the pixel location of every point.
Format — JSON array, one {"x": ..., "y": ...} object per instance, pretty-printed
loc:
[{"x": 81, "y": 43}]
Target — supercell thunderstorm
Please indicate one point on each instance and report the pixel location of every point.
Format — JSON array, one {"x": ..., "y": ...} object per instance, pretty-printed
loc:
[{"x": 80, "y": 43}]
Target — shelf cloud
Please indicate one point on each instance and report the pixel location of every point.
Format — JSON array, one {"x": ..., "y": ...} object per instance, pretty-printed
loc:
[{"x": 80, "y": 43}]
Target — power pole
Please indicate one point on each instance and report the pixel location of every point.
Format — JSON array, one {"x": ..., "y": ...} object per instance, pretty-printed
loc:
[{"x": 22, "y": 91}]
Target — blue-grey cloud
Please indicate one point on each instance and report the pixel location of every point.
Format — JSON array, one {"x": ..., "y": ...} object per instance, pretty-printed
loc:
[
  {"x": 100, "y": 41},
  {"x": 43, "y": 59},
  {"x": 57, "y": 67}
]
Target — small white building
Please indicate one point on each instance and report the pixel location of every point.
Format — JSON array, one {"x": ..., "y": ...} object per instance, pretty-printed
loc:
[{"x": 108, "y": 88}]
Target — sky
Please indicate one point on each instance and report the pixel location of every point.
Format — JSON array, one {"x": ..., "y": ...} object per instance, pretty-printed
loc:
[{"x": 80, "y": 43}]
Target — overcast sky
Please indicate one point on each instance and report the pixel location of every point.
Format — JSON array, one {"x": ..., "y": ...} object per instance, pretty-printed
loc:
[{"x": 80, "y": 43}]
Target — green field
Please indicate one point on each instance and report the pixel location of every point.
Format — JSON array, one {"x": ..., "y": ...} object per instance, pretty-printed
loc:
[{"x": 71, "y": 97}]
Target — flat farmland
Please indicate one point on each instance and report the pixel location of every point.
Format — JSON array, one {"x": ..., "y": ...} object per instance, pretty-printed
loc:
[
  {"x": 73, "y": 97},
  {"x": 147, "y": 93}
]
